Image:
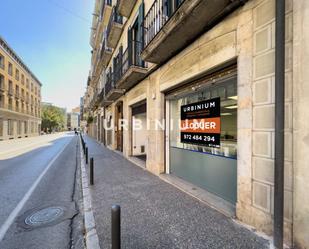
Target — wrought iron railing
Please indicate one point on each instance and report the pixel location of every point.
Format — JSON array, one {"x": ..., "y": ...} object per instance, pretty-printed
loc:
[
  {"x": 109, "y": 85},
  {"x": 115, "y": 18},
  {"x": 159, "y": 13},
  {"x": 135, "y": 58}
]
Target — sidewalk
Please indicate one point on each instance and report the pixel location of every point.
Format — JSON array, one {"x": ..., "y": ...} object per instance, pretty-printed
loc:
[{"x": 154, "y": 213}]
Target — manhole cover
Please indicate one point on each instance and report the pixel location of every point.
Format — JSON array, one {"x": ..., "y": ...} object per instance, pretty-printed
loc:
[
  {"x": 44, "y": 216},
  {"x": 48, "y": 215}
]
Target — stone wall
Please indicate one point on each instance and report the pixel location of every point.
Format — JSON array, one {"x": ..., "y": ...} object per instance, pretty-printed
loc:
[{"x": 247, "y": 37}]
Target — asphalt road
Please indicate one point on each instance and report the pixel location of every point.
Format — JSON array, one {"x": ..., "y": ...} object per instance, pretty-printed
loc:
[{"x": 40, "y": 193}]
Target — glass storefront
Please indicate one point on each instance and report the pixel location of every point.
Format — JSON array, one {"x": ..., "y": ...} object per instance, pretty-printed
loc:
[{"x": 213, "y": 168}]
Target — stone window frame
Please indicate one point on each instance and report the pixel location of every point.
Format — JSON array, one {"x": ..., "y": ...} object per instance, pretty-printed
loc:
[
  {"x": 10, "y": 69},
  {"x": 2, "y": 62}
]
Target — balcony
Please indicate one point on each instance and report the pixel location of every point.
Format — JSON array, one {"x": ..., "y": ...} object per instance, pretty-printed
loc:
[
  {"x": 111, "y": 92},
  {"x": 171, "y": 25},
  {"x": 132, "y": 68},
  {"x": 125, "y": 7},
  {"x": 106, "y": 11},
  {"x": 106, "y": 54},
  {"x": 114, "y": 29},
  {"x": 103, "y": 58},
  {"x": 102, "y": 100}
]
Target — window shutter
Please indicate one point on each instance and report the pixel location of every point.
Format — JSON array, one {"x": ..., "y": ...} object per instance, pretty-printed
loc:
[
  {"x": 130, "y": 46},
  {"x": 141, "y": 15},
  {"x": 140, "y": 44}
]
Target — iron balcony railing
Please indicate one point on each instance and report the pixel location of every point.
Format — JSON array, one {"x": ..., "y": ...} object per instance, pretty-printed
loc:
[
  {"x": 109, "y": 85},
  {"x": 130, "y": 57},
  {"x": 115, "y": 18},
  {"x": 105, "y": 2},
  {"x": 159, "y": 13}
]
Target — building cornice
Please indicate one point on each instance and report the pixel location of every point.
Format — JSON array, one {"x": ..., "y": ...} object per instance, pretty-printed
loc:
[{"x": 14, "y": 55}]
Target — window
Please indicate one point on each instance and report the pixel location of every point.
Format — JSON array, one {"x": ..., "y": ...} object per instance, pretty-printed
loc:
[
  {"x": 23, "y": 79},
  {"x": 10, "y": 127},
  {"x": 25, "y": 127},
  {"x": 17, "y": 91},
  {"x": 1, "y": 101},
  {"x": 10, "y": 69},
  {"x": 227, "y": 92},
  {"x": 2, "y": 86},
  {"x": 17, "y": 106},
  {"x": 19, "y": 127},
  {"x": 17, "y": 74},
  {"x": 10, "y": 104},
  {"x": 10, "y": 87},
  {"x": 27, "y": 83},
  {"x": 2, "y": 61},
  {"x": 32, "y": 87}
]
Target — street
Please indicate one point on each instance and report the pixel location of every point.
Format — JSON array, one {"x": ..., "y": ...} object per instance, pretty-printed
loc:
[{"x": 39, "y": 194}]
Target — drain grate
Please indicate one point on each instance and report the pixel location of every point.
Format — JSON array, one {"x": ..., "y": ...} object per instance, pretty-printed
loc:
[{"x": 44, "y": 216}]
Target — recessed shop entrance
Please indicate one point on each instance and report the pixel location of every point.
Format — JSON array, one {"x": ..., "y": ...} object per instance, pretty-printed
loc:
[
  {"x": 202, "y": 134},
  {"x": 139, "y": 130}
]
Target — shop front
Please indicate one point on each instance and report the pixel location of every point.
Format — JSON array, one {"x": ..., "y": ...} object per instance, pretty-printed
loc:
[
  {"x": 202, "y": 132},
  {"x": 139, "y": 130}
]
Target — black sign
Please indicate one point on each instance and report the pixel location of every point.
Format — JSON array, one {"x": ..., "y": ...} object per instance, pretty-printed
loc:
[{"x": 201, "y": 123}]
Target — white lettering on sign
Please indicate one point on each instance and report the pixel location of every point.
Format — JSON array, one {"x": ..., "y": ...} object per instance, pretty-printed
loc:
[{"x": 199, "y": 106}]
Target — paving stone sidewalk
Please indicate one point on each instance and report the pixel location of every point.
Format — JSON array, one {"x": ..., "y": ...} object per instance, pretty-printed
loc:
[{"x": 154, "y": 213}]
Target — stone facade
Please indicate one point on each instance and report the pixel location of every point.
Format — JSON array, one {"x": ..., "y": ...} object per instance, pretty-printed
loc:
[
  {"x": 245, "y": 37},
  {"x": 20, "y": 97}
]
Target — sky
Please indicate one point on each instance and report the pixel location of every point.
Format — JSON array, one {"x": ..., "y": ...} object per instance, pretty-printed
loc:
[{"x": 52, "y": 38}]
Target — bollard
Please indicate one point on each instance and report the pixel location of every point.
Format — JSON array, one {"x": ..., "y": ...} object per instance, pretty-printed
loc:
[
  {"x": 91, "y": 171},
  {"x": 86, "y": 153},
  {"x": 116, "y": 231}
]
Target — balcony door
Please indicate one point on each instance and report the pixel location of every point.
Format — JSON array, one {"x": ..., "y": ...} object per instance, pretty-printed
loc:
[
  {"x": 136, "y": 39},
  {"x": 170, "y": 6}
]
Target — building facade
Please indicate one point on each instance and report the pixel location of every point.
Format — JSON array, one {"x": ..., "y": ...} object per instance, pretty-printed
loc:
[
  {"x": 168, "y": 62},
  {"x": 73, "y": 120},
  {"x": 20, "y": 96}
]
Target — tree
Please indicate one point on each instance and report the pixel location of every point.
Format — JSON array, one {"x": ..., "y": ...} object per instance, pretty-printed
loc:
[{"x": 52, "y": 118}]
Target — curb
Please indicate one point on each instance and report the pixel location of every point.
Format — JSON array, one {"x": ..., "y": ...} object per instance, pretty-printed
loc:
[{"x": 91, "y": 236}]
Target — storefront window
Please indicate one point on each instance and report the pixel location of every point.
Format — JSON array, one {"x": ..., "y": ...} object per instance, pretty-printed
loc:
[
  {"x": 227, "y": 92},
  {"x": 207, "y": 163}
]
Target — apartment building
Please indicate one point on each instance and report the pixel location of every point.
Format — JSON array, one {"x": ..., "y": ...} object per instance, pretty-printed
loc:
[
  {"x": 178, "y": 61},
  {"x": 20, "y": 96}
]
